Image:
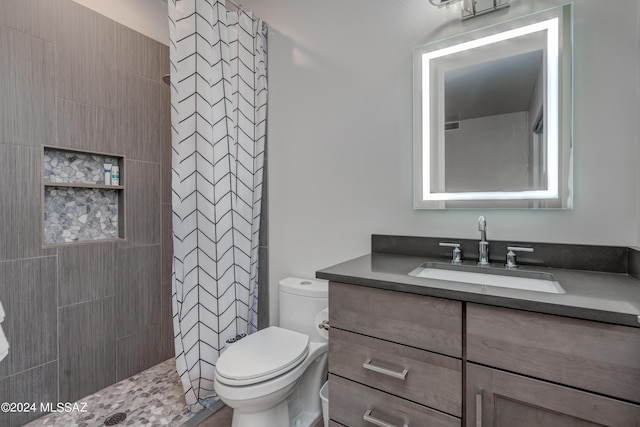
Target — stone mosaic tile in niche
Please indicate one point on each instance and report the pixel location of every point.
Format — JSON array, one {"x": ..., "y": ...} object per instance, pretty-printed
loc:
[
  {"x": 78, "y": 214},
  {"x": 74, "y": 167}
]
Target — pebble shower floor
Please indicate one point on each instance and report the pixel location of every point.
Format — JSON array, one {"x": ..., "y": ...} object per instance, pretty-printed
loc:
[{"x": 151, "y": 398}]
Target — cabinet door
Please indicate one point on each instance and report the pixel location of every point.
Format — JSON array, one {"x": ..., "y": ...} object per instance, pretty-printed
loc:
[{"x": 500, "y": 399}]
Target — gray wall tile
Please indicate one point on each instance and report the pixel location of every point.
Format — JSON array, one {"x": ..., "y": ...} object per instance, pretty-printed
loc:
[
  {"x": 138, "y": 53},
  {"x": 167, "y": 347},
  {"x": 37, "y": 385},
  {"x": 166, "y": 344},
  {"x": 30, "y": 16},
  {"x": 27, "y": 97},
  {"x": 20, "y": 210},
  {"x": 85, "y": 55},
  {"x": 87, "y": 348},
  {"x": 165, "y": 133},
  {"x": 5, "y": 397},
  {"x": 167, "y": 243},
  {"x": 166, "y": 105},
  {"x": 142, "y": 183},
  {"x": 138, "y": 290},
  {"x": 85, "y": 127},
  {"x": 138, "y": 352},
  {"x": 86, "y": 272},
  {"x": 139, "y": 116},
  {"x": 61, "y": 88},
  {"x": 28, "y": 295},
  {"x": 165, "y": 64}
]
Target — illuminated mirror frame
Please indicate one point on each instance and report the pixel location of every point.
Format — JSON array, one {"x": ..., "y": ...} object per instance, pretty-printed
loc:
[{"x": 557, "y": 104}]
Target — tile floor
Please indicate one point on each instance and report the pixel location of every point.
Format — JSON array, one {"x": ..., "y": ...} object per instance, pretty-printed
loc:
[{"x": 151, "y": 398}]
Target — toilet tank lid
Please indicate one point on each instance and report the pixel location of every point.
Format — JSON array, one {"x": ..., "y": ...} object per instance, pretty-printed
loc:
[{"x": 314, "y": 288}]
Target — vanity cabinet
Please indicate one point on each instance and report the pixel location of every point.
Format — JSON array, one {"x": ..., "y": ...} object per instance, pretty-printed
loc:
[
  {"x": 394, "y": 358},
  {"x": 561, "y": 371},
  {"x": 402, "y": 359}
]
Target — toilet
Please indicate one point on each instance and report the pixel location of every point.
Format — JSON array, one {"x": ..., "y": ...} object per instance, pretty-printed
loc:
[{"x": 272, "y": 377}]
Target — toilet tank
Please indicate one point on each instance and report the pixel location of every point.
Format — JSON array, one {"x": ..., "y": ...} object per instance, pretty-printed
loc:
[{"x": 300, "y": 301}]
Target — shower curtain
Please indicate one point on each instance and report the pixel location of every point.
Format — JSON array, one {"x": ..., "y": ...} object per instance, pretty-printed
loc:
[{"x": 218, "y": 120}]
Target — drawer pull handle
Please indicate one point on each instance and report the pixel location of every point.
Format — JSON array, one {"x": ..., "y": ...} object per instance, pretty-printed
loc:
[
  {"x": 400, "y": 375},
  {"x": 373, "y": 420},
  {"x": 479, "y": 409}
]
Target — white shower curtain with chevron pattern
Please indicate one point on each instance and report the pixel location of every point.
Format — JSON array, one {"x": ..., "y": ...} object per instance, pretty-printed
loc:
[{"x": 218, "y": 119}]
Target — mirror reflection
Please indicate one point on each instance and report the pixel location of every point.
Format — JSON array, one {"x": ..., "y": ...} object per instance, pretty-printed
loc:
[
  {"x": 489, "y": 128},
  {"x": 493, "y": 120}
]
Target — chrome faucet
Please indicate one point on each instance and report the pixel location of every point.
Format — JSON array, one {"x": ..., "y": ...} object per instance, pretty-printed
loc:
[{"x": 483, "y": 245}]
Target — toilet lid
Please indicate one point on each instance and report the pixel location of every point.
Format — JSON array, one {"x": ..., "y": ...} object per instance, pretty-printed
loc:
[{"x": 262, "y": 355}]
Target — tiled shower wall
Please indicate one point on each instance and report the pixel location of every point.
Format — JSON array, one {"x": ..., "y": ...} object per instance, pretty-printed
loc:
[{"x": 79, "y": 318}]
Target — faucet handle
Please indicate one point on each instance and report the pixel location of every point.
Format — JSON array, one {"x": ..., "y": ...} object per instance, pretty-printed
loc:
[
  {"x": 511, "y": 255},
  {"x": 456, "y": 255}
]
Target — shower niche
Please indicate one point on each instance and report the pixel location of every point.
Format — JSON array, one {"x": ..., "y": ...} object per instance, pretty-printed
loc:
[{"x": 78, "y": 206}]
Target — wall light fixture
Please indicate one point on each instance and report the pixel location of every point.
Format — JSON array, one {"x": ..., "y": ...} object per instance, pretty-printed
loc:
[{"x": 473, "y": 8}]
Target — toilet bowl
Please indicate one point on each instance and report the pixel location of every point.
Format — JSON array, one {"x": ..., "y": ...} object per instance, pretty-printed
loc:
[
  {"x": 271, "y": 378},
  {"x": 263, "y": 400}
]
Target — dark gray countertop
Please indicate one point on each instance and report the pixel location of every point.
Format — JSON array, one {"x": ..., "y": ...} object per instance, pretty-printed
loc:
[{"x": 606, "y": 297}]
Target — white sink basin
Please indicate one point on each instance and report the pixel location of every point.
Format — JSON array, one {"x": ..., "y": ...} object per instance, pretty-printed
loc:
[{"x": 523, "y": 280}]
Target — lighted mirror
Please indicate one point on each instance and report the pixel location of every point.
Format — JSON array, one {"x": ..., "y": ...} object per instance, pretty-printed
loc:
[{"x": 492, "y": 116}]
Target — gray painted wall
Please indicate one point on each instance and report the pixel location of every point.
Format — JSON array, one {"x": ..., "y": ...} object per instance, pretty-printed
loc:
[
  {"x": 340, "y": 129},
  {"x": 79, "y": 318}
]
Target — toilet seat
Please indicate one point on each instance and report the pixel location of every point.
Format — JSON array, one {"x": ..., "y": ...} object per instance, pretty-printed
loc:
[{"x": 261, "y": 356}]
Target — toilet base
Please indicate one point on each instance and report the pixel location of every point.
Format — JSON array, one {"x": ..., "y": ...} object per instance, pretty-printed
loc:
[
  {"x": 276, "y": 416},
  {"x": 305, "y": 419}
]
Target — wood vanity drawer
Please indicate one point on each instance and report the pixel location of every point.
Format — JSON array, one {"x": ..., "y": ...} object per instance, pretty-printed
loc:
[
  {"x": 589, "y": 355},
  {"x": 433, "y": 324},
  {"x": 350, "y": 401},
  {"x": 431, "y": 379}
]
